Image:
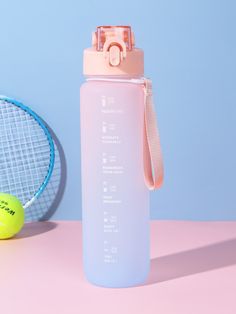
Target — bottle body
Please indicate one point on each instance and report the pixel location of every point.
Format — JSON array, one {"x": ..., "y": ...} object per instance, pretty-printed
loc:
[{"x": 115, "y": 199}]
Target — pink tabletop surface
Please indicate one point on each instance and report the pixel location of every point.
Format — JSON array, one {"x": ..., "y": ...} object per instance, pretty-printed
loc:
[{"x": 192, "y": 271}]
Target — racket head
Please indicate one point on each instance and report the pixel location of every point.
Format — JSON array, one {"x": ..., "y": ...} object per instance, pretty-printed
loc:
[{"x": 26, "y": 151}]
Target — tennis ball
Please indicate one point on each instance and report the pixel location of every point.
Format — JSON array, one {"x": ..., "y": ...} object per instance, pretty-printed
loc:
[{"x": 11, "y": 216}]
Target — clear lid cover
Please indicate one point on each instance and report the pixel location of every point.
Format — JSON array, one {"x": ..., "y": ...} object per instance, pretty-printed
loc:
[{"x": 114, "y": 34}]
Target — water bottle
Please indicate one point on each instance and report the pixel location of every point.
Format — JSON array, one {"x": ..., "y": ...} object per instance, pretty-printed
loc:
[{"x": 120, "y": 160}]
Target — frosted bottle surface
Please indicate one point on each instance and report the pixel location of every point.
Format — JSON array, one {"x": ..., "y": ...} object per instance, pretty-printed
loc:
[
  {"x": 115, "y": 199},
  {"x": 120, "y": 159}
]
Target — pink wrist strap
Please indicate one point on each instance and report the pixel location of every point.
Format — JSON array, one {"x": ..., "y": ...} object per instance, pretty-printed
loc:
[{"x": 153, "y": 164}]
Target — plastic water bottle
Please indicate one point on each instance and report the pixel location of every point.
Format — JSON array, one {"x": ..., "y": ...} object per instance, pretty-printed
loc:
[{"x": 114, "y": 161}]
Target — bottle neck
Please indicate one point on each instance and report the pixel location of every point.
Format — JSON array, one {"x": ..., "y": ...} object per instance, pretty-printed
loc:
[{"x": 115, "y": 78}]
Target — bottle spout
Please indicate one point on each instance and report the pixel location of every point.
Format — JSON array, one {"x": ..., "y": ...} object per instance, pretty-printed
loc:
[{"x": 114, "y": 41}]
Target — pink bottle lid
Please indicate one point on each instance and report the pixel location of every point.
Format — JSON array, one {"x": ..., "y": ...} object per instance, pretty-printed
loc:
[{"x": 113, "y": 53}]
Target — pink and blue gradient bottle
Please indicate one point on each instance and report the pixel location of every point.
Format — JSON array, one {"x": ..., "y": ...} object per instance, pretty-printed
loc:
[{"x": 115, "y": 198}]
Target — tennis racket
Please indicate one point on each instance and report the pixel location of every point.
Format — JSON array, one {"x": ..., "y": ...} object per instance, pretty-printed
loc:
[{"x": 26, "y": 152}]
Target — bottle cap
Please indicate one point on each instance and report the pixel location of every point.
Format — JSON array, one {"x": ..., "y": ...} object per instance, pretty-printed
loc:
[{"x": 113, "y": 53}]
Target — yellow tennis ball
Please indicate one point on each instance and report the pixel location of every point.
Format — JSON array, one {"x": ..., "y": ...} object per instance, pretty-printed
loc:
[{"x": 11, "y": 216}]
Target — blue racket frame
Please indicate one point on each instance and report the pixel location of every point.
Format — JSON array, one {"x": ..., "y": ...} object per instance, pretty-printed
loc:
[{"x": 50, "y": 141}]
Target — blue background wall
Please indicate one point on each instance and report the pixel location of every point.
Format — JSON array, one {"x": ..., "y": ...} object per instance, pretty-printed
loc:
[{"x": 190, "y": 52}]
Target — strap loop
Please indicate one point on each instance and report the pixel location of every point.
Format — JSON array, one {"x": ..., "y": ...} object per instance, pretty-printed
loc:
[{"x": 153, "y": 163}]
